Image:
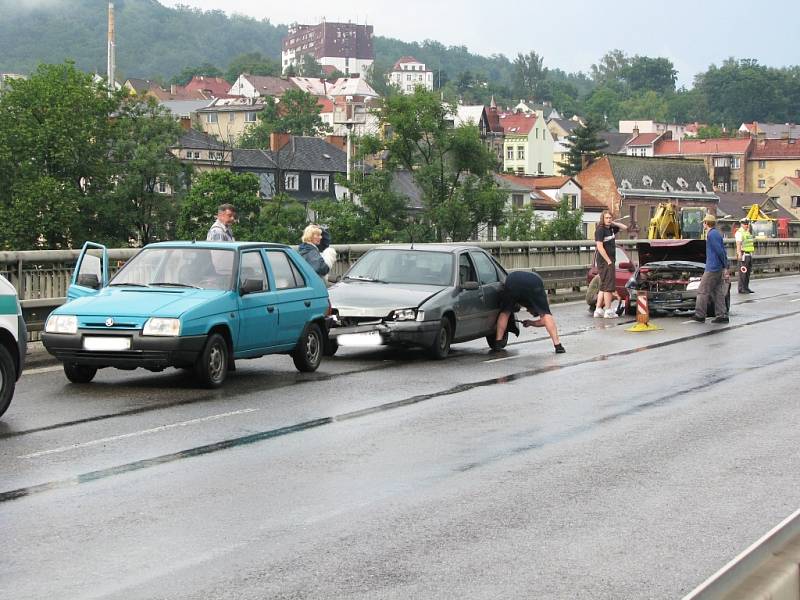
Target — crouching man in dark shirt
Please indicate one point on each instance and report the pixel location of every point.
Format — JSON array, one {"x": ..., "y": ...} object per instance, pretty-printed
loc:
[{"x": 527, "y": 289}]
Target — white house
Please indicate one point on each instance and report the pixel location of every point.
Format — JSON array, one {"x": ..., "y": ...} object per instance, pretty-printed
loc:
[{"x": 408, "y": 73}]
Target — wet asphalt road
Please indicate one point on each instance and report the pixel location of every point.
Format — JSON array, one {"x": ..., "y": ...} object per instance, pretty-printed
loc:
[{"x": 633, "y": 466}]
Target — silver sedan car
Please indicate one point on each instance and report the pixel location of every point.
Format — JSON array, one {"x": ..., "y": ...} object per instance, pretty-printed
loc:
[{"x": 425, "y": 295}]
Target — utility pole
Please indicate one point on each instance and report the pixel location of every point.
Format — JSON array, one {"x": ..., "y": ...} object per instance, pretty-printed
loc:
[{"x": 111, "y": 49}]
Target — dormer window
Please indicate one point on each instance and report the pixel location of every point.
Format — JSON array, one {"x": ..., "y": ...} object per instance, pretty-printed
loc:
[
  {"x": 666, "y": 186},
  {"x": 701, "y": 187},
  {"x": 626, "y": 185},
  {"x": 682, "y": 182},
  {"x": 647, "y": 181}
]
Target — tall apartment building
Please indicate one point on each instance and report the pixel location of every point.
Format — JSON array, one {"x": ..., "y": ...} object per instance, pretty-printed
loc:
[{"x": 344, "y": 46}]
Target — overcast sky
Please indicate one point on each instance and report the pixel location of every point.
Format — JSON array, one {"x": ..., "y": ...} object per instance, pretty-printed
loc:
[{"x": 572, "y": 34}]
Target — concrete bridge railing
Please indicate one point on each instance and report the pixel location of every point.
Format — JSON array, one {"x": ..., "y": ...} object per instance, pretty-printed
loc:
[{"x": 41, "y": 277}]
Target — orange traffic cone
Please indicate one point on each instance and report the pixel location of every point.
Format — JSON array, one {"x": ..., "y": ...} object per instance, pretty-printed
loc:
[{"x": 642, "y": 315}]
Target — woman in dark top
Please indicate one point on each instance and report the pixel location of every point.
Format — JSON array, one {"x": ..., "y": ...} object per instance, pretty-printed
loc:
[
  {"x": 311, "y": 248},
  {"x": 606, "y": 244}
]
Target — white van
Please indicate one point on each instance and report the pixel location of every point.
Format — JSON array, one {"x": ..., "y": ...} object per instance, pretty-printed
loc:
[{"x": 13, "y": 341}]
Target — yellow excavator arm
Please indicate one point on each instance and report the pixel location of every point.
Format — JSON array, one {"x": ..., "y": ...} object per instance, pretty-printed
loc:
[
  {"x": 756, "y": 214},
  {"x": 664, "y": 225}
]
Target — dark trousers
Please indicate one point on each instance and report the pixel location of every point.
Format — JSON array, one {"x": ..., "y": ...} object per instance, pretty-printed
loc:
[
  {"x": 744, "y": 276},
  {"x": 712, "y": 287}
]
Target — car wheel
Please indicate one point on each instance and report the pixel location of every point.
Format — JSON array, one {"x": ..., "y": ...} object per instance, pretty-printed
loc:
[
  {"x": 79, "y": 373},
  {"x": 496, "y": 344},
  {"x": 308, "y": 353},
  {"x": 8, "y": 379},
  {"x": 441, "y": 344},
  {"x": 212, "y": 364},
  {"x": 331, "y": 347}
]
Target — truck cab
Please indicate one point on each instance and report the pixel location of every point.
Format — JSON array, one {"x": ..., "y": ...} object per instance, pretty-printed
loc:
[{"x": 13, "y": 342}]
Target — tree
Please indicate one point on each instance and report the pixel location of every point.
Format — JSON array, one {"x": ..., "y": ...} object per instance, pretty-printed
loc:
[
  {"x": 644, "y": 73},
  {"x": 610, "y": 69},
  {"x": 566, "y": 225},
  {"x": 530, "y": 76},
  {"x": 252, "y": 63},
  {"x": 55, "y": 133},
  {"x": 186, "y": 74},
  {"x": 451, "y": 165},
  {"x": 521, "y": 224},
  {"x": 310, "y": 67},
  {"x": 282, "y": 220},
  {"x": 710, "y": 131},
  {"x": 212, "y": 188},
  {"x": 296, "y": 113},
  {"x": 144, "y": 134},
  {"x": 584, "y": 148}
]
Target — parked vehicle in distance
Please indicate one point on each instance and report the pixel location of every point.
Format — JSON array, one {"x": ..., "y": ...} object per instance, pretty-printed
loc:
[
  {"x": 670, "y": 272},
  {"x": 623, "y": 269},
  {"x": 194, "y": 305},
  {"x": 13, "y": 342},
  {"x": 425, "y": 295}
]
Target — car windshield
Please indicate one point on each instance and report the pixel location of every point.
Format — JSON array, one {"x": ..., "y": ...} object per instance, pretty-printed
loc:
[
  {"x": 201, "y": 268},
  {"x": 404, "y": 266}
]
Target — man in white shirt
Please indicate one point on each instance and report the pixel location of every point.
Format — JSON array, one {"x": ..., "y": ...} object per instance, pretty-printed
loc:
[{"x": 220, "y": 231}]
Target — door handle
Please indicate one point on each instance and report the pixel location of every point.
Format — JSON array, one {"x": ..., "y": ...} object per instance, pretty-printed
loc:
[
  {"x": 307, "y": 303},
  {"x": 270, "y": 309}
]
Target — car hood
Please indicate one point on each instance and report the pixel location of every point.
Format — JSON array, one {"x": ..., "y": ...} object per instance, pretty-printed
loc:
[
  {"x": 370, "y": 299},
  {"x": 134, "y": 302},
  {"x": 671, "y": 251}
]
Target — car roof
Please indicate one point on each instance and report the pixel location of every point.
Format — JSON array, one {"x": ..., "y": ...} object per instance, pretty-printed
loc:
[
  {"x": 216, "y": 245},
  {"x": 450, "y": 248}
]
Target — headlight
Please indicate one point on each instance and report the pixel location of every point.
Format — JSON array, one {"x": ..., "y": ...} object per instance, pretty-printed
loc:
[
  {"x": 61, "y": 324},
  {"x": 162, "y": 327},
  {"x": 405, "y": 314}
]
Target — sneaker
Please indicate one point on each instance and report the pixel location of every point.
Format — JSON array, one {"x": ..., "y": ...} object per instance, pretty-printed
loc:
[
  {"x": 610, "y": 314},
  {"x": 598, "y": 313},
  {"x": 559, "y": 349},
  {"x": 699, "y": 319},
  {"x": 720, "y": 320}
]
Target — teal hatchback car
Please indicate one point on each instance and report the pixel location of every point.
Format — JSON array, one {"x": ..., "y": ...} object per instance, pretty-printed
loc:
[{"x": 196, "y": 305}]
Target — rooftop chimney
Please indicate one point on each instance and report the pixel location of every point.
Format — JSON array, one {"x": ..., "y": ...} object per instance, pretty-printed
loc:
[{"x": 278, "y": 140}]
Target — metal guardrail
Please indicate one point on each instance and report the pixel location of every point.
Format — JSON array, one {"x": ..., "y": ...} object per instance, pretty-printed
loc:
[
  {"x": 764, "y": 570},
  {"x": 41, "y": 277}
]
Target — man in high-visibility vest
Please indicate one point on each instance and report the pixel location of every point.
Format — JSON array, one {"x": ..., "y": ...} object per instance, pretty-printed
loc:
[{"x": 744, "y": 254}]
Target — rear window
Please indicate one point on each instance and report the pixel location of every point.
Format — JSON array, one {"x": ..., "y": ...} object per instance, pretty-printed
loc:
[
  {"x": 286, "y": 274},
  {"x": 405, "y": 266}
]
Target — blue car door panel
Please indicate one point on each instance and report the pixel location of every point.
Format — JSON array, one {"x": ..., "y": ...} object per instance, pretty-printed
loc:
[
  {"x": 292, "y": 296},
  {"x": 258, "y": 311}
]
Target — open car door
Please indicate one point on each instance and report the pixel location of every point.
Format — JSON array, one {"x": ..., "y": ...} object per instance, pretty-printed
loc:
[{"x": 91, "y": 272}]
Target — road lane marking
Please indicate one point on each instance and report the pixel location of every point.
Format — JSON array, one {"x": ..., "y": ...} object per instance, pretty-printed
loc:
[
  {"x": 133, "y": 434},
  {"x": 42, "y": 370},
  {"x": 795, "y": 300},
  {"x": 494, "y": 360}
]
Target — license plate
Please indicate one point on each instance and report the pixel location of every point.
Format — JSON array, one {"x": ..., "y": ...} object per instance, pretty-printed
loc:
[
  {"x": 104, "y": 343},
  {"x": 370, "y": 338}
]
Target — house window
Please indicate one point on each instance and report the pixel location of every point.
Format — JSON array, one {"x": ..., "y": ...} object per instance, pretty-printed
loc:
[
  {"x": 539, "y": 168},
  {"x": 762, "y": 164},
  {"x": 408, "y": 77},
  {"x": 642, "y": 151},
  {"x": 231, "y": 117},
  {"x": 211, "y": 118},
  {"x": 632, "y": 213},
  {"x": 762, "y": 183},
  {"x": 572, "y": 201},
  {"x": 510, "y": 152},
  {"x": 517, "y": 200},
  {"x": 797, "y": 173},
  {"x": 250, "y": 117},
  {"x": 520, "y": 170},
  {"x": 214, "y": 155},
  {"x": 162, "y": 187},
  {"x": 734, "y": 185},
  {"x": 319, "y": 183},
  {"x": 736, "y": 162},
  {"x": 520, "y": 152},
  {"x": 795, "y": 201},
  {"x": 537, "y": 134},
  {"x": 652, "y": 212},
  {"x": 291, "y": 182},
  {"x": 721, "y": 162}
]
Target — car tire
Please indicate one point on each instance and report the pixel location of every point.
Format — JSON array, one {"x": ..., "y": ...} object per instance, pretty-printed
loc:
[
  {"x": 79, "y": 373},
  {"x": 211, "y": 367},
  {"x": 441, "y": 344},
  {"x": 331, "y": 347},
  {"x": 8, "y": 378},
  {"x": 496, "y": 344},
  {"x": 307, "y": 355}
]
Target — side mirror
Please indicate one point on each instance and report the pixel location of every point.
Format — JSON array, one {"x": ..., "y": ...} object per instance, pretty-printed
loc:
[
  {"x": 627, "y": 266},
  {"x": 334, "y": 278},
  {"x": 251, "y": 286},
  {"x": 90, "y": 280},
  {"x": 470, "y": 285}
]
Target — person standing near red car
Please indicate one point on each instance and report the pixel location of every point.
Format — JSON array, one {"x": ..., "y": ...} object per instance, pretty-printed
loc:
[{"x": 605, "y": 242}]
